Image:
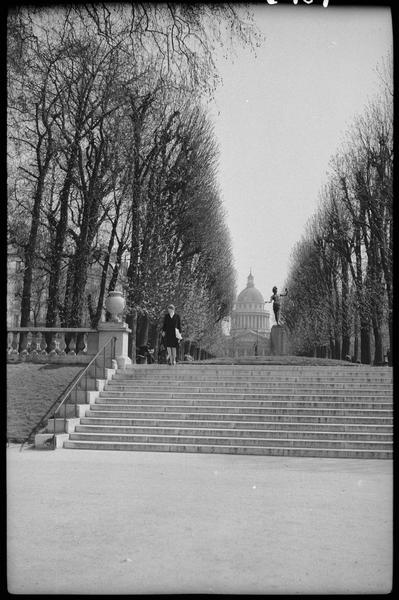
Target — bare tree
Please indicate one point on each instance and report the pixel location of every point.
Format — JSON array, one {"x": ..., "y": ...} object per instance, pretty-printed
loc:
[
  {"x": 341, "y": 274},
  {"x": 109, "y": 77},
  {"x": 32, "y": 146}
]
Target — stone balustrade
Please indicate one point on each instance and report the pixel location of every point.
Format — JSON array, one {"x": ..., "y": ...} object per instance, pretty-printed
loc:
[{"x": 51, "y": 344}]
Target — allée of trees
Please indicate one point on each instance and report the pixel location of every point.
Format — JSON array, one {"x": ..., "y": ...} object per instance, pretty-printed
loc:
[
  {"x": 340, "y": 280},
  {"x": 113, "y": 164}
]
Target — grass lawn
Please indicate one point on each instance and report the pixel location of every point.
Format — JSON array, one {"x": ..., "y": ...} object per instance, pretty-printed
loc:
[{"x": 31, "y": 389}]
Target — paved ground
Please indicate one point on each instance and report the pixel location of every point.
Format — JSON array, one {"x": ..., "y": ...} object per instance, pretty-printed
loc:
[{"x": 99, "y": 522}]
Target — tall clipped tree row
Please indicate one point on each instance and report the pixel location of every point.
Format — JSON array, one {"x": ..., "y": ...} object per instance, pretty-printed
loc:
[
  {"x": 112, "y": 160},
  {"x": 351, "y": 241}
]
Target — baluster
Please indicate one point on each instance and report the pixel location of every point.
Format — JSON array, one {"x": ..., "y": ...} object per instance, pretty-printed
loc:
[
  {"x": 29, "y": 339},
  {"x": 53, "y": 344},
  {"x": 61, "y": 343},
  {"x": 23, "y": 342},
  {"x": 14, "y": 343},
  {"x": 57, "y": 342},
  {"x": 84, "y": 342},
  {"x": 38, "y": 342},
  {"x": 67, "y": 339},
  {"x": 9, "y": 342},
  {"x": 33, "y": 346},
  {"x": 80, "y": 343},
  {"x": 72, "y": 344},
  {"x": 43, "y": 344}
]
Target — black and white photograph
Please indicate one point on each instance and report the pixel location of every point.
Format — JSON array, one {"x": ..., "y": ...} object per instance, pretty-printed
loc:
[{"x": 200, "y": 323}]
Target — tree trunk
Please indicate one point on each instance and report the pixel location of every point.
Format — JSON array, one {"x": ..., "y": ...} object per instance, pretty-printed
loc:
[
  {"x": 116, "y": 268},
  {"x": 56, "y": 255},
  {"x": 153, "y": 334},
  {"x": 66, "y": 310},
  {"x": 132, "y": 323},
  {"x": 133, "y": 270},
  {"x": 365, "y": 349},
  {"x": 100, "y": 301},
  {"x": 332, "y": 347},
  {"x": 345, "y": 350},
  {"x": 337, "y": 321},
  {"x": 81, "y": 266},
  {"x": 81, "y": 261},
  {"x": 376, "y": 295},
  {"x": 29, "y": 261},
  {"x": 356, "y": 336},
  {"x": 142, "y": 331},
  {"x": 29, "y": 255},
  {"x": 104, "y": 272},
  {"x": 337, "y": 348},
  {"x": 154, "y": 338},
  {"x": 387, "y": 271},
  {"x": 378, "y": 342},
  {"x": 390, "y": 325}
]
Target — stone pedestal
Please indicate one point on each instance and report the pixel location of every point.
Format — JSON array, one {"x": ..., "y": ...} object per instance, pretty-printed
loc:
[
  {"x": 121, "y": 332},
  {"x": 278, "y": 341}
]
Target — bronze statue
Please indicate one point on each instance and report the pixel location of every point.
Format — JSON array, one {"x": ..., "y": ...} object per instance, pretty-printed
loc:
[{"x": 275, "y": 298}]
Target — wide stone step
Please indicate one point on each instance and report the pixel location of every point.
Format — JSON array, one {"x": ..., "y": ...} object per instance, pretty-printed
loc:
[
  {"x": 195, "y": 366},
  {"x": 266, "y": 425},
  {"x": 255, "y": 378},
  {"x": 351, "y": 416},
  {"x": 235, "y": 433},
  {"x": 150, "y": 370},
  {"x": 266, "y": 403},
  {"x": 241, "y": 405},
  {"x": 253, "y": 368},
  {"x": 336, "y": 389},
  {"x": 228, "y": 440},
  {"x": 253, "y": 384},
  {"x": 177, "y": 387},
  {"x": 216, "y": 399},
  {"x": 221, "y": 449}
]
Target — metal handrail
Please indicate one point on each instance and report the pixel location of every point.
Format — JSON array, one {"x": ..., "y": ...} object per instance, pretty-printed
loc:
[{"x": 72, "y": 386}]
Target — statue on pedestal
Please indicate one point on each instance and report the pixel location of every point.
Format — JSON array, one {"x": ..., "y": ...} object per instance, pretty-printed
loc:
[{"x": 275, "y": 298}]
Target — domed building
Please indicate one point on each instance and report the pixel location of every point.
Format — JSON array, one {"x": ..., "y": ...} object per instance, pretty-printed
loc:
[{"x": 250, "y": 323}]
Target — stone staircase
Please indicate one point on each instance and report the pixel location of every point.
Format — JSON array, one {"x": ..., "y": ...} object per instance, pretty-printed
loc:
[{"x": 279, "y": 410}]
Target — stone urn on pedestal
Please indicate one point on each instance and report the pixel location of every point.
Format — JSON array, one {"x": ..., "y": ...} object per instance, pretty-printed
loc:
[{"x": 115, "y": 304}]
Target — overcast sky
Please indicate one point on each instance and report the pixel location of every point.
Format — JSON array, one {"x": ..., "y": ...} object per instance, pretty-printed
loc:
[{"x": 280, "y": 117}]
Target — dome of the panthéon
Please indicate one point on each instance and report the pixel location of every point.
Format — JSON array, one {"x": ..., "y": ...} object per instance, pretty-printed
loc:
[{"x": 250, "y": 294}]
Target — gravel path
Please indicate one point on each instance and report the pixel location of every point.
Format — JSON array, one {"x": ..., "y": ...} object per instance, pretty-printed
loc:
[{"x": 98, "y": 522}]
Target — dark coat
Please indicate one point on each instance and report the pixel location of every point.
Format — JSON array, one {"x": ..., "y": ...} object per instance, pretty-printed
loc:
[{"x": 169, "y": 325}]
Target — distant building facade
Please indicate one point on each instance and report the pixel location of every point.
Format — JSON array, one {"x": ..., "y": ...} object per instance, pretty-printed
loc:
[{"x": 250, "y": 324}]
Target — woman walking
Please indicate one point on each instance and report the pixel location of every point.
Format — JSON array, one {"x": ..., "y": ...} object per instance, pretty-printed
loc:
[{"x": 171, "y": 333}]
